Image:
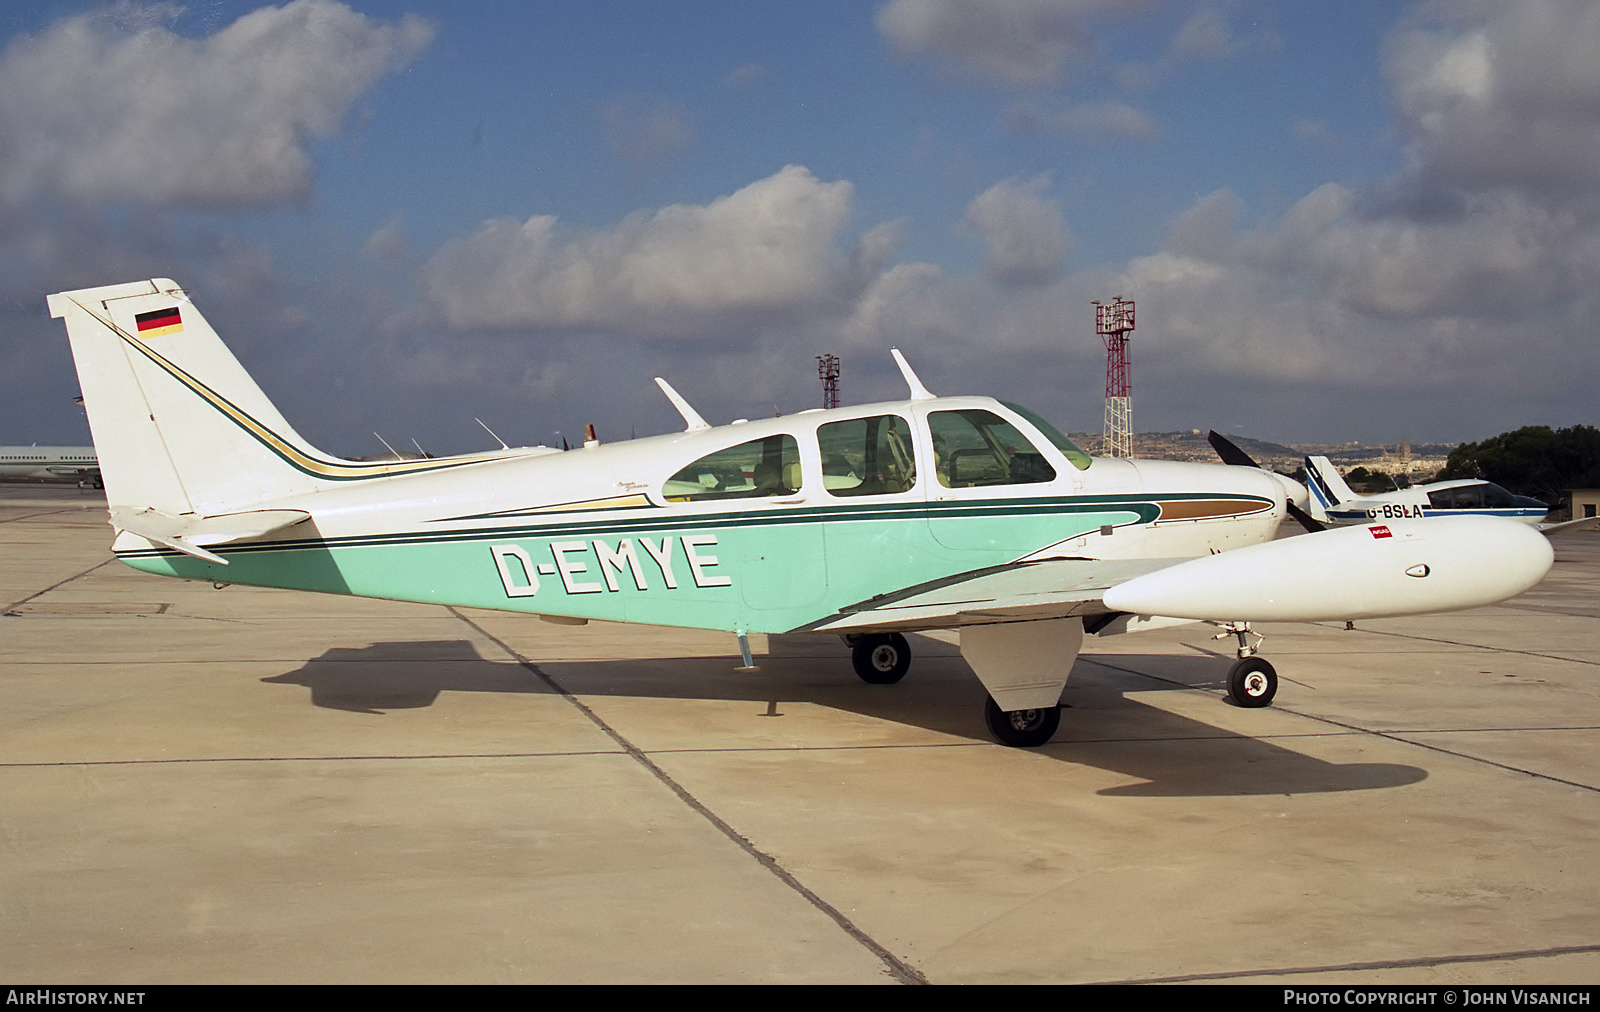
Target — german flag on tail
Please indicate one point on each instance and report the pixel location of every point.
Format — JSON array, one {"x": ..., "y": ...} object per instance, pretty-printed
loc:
[{"x": 159, "y": 322}]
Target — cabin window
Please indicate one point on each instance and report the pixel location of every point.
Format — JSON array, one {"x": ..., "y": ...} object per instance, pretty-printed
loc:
[
  {"x": 762, "y": 467},
  {"x": 1497, "y": 498},
  {"x": 867, "y": 456},
  {"x": 1464, "y": 497},
  {"x": 975, "y": 447},
  {"x": 1070, "y": 450}
]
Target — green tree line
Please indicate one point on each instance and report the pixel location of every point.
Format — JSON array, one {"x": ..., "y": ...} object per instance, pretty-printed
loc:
[{"x": 1534, "y": 460}]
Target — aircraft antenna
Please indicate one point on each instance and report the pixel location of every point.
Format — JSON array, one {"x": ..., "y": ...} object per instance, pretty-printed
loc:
[
  {"x": 1113, "y": 321},
  {"x": 386, "y": 446},
  {"x": 828, "y": 370},
  {"x": 918, "y": 391},
  {"x": 490, "y": 431},
  {"x": 691, "y": 417}
]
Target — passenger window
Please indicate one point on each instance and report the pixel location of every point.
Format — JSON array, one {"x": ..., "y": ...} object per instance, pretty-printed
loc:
[
  {"x": 761, "y": 467},
  {"x": 1467, "y": 497},
  {"x": 975, "y": 447},
  {"x": 1495, "y": 497},
  {"x": 867, "y": 456}
]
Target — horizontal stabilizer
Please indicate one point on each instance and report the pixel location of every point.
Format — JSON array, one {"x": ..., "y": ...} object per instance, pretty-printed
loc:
[{"x": 189, "y": 534}]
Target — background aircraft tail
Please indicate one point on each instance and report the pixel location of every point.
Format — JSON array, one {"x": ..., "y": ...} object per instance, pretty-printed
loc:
[
  {"x": 1327, "y": 487},
  {"x": 179, "y": 426}
]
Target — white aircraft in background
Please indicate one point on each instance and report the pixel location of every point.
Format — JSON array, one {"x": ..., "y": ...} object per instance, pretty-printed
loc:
[
  {"x": 1333, "y": 501},
  {"x": 50, "y": 463},
  {"x": 866, "y": 522}
]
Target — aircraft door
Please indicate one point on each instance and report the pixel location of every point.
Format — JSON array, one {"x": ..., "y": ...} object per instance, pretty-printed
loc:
[
  {"x": 978, "y": 498},
  {"x": 994, "y": 491},
  {"x": 750, "y": 500},
  {"x": 876, "y": 536}
]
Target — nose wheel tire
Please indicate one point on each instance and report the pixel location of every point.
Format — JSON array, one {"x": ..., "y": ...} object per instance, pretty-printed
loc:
[
  {"x": 882, "y": 658},
  {"x": 1022, "y": 728},
  {"x": 1252, "y": 682}
]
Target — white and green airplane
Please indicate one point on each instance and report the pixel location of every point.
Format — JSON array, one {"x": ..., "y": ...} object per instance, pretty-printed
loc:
[{"x": 962, "y": 513}]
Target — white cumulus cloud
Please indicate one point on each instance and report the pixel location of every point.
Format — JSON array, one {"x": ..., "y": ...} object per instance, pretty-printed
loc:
[
  {"x": 1018, "y": 43},
  {"x": 96, "y": 107},
  {"x": 1024, "y": 232},
  {"x": 764, "y": 253},
  {"x": 1507, "y": 96}
]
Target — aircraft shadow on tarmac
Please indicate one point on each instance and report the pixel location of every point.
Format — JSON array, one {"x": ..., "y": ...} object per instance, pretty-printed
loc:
[
  {"x": 403, "y": 675},
  {"x": 1105, "y": 725}
]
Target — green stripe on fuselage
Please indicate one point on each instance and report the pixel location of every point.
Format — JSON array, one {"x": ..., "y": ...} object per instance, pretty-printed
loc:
[{"x": 773, "y": 570}]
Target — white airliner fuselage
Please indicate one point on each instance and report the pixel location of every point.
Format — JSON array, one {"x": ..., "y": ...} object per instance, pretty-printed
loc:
[{"x": 49, "y": 464}]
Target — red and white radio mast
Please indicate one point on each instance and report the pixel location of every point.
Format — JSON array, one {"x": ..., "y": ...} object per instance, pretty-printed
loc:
[
  {"x": 1114, "y": 322},
  {"x": 828, "y": 370}
]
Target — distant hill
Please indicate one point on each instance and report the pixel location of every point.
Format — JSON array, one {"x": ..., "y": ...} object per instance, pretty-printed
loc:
[{"x": 1191, "y": 444}]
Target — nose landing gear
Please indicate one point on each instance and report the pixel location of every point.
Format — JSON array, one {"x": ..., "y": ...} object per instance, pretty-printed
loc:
[{"x": 1252, "y": 682}]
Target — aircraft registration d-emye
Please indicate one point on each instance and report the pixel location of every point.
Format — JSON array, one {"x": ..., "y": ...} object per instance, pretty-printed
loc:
[{"x": 868, "y": 522}]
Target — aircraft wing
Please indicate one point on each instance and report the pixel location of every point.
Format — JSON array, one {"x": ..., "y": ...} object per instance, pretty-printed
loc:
[
  {"x": 1019, "y": 592},
  {"x": 1580, "y": 524},
  {"x": 1402, "y": 567}
]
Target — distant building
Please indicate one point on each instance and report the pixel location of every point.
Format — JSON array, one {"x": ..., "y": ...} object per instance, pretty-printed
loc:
[{"x": 1583, "y": 502}]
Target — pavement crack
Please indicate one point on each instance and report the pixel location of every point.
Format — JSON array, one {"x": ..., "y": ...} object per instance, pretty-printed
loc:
[
  {"x": 17, "y": 604},
  {"x": 1477, "y": 646},
  {"x": 898, "y": 969},
  {"x": 1395, "y": 735},
  {"x": 1380, "y": 964}
]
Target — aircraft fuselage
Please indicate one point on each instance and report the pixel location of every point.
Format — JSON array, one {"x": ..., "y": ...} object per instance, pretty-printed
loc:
[
  {"x": 48, "y": 463},
  {"x": 678, "y": 529},
  {"x": 1463, "y": 497}
]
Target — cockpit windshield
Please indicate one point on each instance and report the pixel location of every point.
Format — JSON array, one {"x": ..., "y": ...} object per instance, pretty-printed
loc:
[{"x": 1070, "y": 450}]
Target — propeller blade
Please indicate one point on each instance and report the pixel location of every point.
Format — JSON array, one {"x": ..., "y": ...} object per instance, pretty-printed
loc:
[
  {"x": 1229, "y": 453},
  {"x": 1309, "y": 522}
]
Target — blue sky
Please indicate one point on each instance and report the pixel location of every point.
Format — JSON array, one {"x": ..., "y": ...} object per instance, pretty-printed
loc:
[{"x": 1353, "y": 221}]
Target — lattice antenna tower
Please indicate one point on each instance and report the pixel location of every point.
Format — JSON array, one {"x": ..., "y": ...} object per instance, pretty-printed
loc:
[
  {"x": 828, "y": 370},
  {"x": 1113, "y": 321}
]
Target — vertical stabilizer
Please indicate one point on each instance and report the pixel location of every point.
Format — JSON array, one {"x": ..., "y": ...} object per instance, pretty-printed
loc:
[
  {"x": 178, "y": 425},
  {"x": 1327, "y": 487}
]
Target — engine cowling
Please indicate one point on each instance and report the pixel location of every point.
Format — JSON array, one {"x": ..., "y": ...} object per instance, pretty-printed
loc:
[{"x": 1402, "y": 567}]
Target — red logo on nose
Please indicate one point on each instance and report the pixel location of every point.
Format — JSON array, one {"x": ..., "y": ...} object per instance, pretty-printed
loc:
[{"x": 1381, "y": 531}]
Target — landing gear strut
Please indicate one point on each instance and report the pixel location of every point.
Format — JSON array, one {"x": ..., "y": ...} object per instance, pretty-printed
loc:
[{"x": 1252, "y": 682}]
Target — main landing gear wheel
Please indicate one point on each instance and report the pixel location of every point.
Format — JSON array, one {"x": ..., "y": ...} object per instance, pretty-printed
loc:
[
  {"x": 1252, "y": 682},
  {"x": 1021, "y": 728},
  {"x": 881, "y": 658}
]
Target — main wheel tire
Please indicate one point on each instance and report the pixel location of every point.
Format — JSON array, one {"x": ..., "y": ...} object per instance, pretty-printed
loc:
[
  {"x": 1252, "y": 682},
  {"x": 1022, "y": 728},
  {"x": 881, "y": 658}
]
